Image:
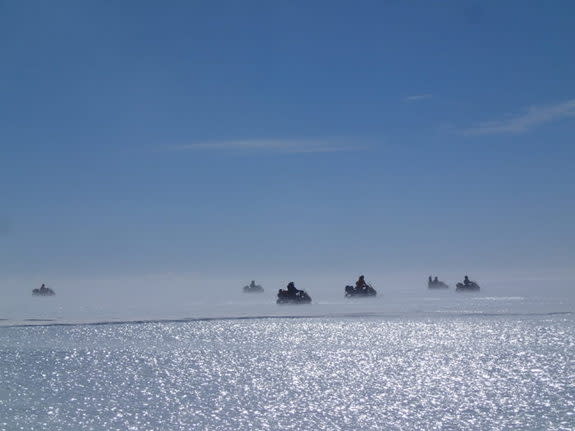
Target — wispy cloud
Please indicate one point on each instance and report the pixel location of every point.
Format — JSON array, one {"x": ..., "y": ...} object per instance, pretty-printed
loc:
[
  {"x": 532, "y": 117},
  {"x": 416, "y": 97},
  {"x": 289, "y": 146}
]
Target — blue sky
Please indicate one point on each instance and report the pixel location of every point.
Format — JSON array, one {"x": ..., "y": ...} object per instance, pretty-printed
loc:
[{"x": 234, "y": 137}]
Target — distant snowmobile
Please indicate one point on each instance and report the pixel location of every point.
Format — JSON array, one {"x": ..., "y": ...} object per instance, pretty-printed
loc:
[
  {"x": 299, "y": 297},
  {"x": 351, "y": 291},
  {"x": 43, "y": 291},
  {"x": 437, "y": 285},
  {"x": 253, "y": 288},
  {"x": 467, "y": 287}
]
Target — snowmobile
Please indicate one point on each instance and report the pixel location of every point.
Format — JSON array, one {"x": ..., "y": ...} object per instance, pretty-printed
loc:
[
  {"x": 352, "y": 291},
  {"x": 43, "y": 291},
  {"x": 437, "y": 285},
  {"x": 299, "y": 297},
  {"x": 256, "y": 288},
  {"x": 470, "y": 287}
]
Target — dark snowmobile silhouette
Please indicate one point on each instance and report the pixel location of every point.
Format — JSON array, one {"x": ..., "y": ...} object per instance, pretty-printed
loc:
[{"x": 292, "y": 296}]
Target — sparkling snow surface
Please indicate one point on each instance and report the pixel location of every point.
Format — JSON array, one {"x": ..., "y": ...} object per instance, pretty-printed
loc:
[{"x": 329, "y": 373}]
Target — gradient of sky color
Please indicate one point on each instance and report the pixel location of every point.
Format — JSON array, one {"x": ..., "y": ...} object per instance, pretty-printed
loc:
[{"x": 222, "y": 137}]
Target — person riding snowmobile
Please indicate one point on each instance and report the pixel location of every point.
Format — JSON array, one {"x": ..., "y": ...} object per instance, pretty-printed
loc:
[
  {"x": 292, "y": 289},
  {"x": 360, "y": 284}
]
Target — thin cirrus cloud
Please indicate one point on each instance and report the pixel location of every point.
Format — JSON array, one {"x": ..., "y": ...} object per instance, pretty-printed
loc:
[
  {"x": 286, "y": 146},
  {"x": 417, "y": 97},
  {"x": 533, "y": 117}
]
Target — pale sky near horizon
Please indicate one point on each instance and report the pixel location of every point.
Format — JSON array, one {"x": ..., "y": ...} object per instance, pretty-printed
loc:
[{"x": 222, "y": 137}]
